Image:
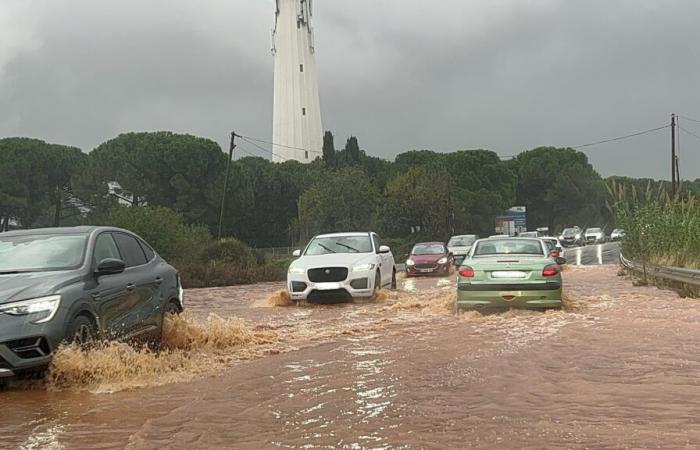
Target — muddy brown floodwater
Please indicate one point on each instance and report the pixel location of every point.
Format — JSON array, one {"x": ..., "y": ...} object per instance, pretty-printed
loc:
[{"x": 619, "y": 368}]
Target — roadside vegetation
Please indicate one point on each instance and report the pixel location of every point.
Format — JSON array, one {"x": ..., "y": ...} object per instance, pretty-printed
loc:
[
  {"x": 201, "y": 260},
  {"x": 659, "y": 230},
  {"x": 168, "y": 187}
]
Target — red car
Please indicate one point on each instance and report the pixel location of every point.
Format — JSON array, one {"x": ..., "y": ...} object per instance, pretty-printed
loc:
[{"x": 429, "y": 258}]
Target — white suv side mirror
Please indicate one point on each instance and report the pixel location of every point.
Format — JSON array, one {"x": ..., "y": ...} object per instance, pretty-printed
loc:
[
  {"x": 384, "y": 249},
  {"x": 296, "y": 253}
]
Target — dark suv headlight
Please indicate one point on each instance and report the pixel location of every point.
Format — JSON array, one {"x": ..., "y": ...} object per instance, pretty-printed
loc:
[{"x": 40, "y": 310}]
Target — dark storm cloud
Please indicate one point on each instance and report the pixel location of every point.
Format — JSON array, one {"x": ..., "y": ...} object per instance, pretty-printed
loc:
[{"x": 400, "y": 74}]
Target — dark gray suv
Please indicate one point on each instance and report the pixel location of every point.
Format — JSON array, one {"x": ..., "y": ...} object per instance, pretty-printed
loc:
[{"x": 77, "y": 285}]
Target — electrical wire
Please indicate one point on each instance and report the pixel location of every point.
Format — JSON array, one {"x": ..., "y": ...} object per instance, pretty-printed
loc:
[
  {"x": 688, "y": 118},
  {"x": 253, "y": 141},
  {"x": 689, "y": 132},
  {"x": 270, "y": 152},
  {"x": 240, "y": 147},
  {"x": 620, "y": 138},
  {"x": 279, "y": 145}
]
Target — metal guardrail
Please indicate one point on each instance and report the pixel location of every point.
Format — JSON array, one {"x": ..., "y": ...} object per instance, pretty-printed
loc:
[
  {"x": 276, "y": 251},
  {"x": 677, "y": 274}
]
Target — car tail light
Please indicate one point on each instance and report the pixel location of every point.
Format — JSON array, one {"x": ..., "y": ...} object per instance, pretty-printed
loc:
[
  {"x": 466, "y": 272},
  {"x": 554, "y": 254},
  {"x": 550, "y": 271}
]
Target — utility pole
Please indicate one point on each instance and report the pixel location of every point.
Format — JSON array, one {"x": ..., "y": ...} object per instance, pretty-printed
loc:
[
  {"x": 674, "y": 174},
  {"x": 679, "y": 182},
  {"x": 223, "y": 194}
]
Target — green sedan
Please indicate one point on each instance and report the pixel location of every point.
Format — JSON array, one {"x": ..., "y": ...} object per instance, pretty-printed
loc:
[{"x": 509, "y": 273}]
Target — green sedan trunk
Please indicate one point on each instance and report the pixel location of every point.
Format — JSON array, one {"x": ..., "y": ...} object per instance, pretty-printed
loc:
[{"x": 501, "y": 281}]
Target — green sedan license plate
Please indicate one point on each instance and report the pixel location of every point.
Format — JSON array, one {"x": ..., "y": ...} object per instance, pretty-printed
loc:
[{"x": 508, "y": 274}]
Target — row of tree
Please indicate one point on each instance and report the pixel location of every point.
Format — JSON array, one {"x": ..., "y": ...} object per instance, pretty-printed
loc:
[{"x": 278, "y": 204}]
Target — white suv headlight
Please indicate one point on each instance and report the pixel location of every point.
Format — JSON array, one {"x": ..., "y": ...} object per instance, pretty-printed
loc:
[
  {"x": 46, "y": 306},
  {"x": 296, "y": 271},
  {"x": 442, "y": 260},
  {"x": 363, "y": 267}
]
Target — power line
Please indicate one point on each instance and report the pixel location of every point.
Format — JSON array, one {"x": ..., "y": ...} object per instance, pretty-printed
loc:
[
  {"x": 240, "y": 147},
  {"x": 620, "y": 138},
  {"x": 689, "y": 132},
  {"x": 281, "y": 145},
  {"x": 688, "y": 118},
  {"x": 263, "y": 149},
  {"x": 253, "y": 141}
]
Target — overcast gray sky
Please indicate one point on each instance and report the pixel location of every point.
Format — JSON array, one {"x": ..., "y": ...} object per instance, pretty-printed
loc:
[{"x": 505, "y": 75}]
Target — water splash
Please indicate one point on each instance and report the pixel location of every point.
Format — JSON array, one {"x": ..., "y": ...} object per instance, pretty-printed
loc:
[{"x": 188, "y": 349}]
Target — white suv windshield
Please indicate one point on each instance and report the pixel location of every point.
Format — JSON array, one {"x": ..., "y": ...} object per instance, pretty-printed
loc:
[
  {"x": 339, "y": 244},
  {"x": 35, "y": 253}
]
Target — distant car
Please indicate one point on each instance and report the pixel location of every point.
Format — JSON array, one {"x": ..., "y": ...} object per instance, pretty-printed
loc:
[
  {"x": 571, "y": 237},
  {"x": 529, "y": 234},
  {"x": 429, "y": 258},
  {"x": 594, "y": 236},
  {"x": 460, "y": 245},
  {"x": 78, "y": 285},
  {"x": 617, "y": 234},
  {"x": 341, "y": 266},
  {"x": 509, "y": 273},
  {"x": 555, "y": 244}
]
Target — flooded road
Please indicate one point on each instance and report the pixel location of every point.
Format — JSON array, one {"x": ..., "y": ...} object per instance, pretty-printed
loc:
[
  {"x": 607, "y": 253},
  {"x": 617, "y": 369}
]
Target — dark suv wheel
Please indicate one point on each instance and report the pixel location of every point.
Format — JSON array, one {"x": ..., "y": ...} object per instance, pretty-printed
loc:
[{"x": 81, "y": 331}]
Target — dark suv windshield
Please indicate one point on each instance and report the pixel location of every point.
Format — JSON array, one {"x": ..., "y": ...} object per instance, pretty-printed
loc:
[{"x": 34, "y": 253}]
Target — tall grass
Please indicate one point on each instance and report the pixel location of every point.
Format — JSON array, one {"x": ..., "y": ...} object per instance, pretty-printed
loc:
[{"x": 659, "y": 229}]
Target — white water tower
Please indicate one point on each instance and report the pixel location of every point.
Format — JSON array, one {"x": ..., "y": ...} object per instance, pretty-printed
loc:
[{"x": 297, "y": 132}]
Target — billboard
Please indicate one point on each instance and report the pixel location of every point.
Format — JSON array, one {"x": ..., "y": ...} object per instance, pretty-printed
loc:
[{"x": 513, "y": 221}]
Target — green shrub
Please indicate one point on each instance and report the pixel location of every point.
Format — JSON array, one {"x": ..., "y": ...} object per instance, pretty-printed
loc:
[
  {"x": 163, "y": 229},
  {"x": 213, "y": 272},
  {"x": 232, "y": 250},
  {"x": 201, "y": 261},
  {"x": 399, "y": 247}
]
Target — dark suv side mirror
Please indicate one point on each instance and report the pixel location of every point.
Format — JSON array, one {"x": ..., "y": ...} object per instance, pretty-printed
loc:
[{"x": 110, "y": 266}]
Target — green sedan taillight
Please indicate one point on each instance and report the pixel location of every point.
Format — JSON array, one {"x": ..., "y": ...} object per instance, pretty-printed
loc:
[
  {"x": 466, "y": 272},
  {"x": 551, "y": 270}
]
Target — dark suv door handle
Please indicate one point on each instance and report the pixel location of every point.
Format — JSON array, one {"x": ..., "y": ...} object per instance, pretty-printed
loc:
[
  {"x": 130, "y": 287},
  {"x": 159, "y": 280}
]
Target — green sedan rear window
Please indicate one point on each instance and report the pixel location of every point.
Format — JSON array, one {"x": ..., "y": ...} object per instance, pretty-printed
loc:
[{"x": 509, "y": 247}]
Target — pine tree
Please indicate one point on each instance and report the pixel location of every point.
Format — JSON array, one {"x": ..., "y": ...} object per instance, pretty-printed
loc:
[
  {"x": 352, "y": 151},
  {"x": 329, "y": 156}
]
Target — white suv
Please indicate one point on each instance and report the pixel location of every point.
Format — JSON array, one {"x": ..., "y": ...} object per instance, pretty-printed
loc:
[
  {"x": 594, "y": 236},
  {"x": 341, "y": 266}
]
